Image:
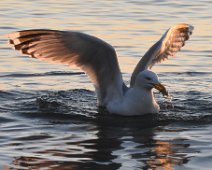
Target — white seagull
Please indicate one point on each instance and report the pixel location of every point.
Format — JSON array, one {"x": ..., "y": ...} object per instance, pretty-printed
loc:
[{"x": 98, "y": 60}]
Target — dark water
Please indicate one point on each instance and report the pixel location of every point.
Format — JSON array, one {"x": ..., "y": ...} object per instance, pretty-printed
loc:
[{"x": 48, "y": 114}]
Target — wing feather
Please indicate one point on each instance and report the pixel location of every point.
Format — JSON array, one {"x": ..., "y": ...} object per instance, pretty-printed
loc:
[
  {"x": 96, "y": 57},
  {"x": 169, "y": 44}
]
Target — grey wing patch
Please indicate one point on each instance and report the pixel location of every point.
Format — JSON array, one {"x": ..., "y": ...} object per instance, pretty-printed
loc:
[
  {"x": 97, "y": 58},
  {"x": 170, "y": 43}
]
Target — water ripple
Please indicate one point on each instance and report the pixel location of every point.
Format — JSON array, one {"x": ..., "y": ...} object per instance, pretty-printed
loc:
[{"x": 45, "y": 124}]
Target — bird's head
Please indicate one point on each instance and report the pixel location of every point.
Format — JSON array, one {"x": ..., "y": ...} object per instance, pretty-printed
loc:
[{"x": 148, "y": 80}]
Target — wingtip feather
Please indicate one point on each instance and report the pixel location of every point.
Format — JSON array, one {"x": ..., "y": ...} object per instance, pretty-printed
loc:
[
  {"x": 13, "y": 35},
  {"x": 184, "y": 25}
]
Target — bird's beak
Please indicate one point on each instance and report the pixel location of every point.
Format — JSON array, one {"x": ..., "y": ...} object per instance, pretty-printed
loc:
[{"x": 162, "y": 89}]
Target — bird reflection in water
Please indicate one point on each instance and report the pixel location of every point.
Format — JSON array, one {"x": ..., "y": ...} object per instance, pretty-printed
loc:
[{"x": 111, "y": 147}]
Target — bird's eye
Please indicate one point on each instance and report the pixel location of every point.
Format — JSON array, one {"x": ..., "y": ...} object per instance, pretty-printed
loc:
[{"x": 148, "y": 78}]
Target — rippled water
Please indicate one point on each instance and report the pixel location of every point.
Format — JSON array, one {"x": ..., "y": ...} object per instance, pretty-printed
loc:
[{"x": 48, "y": 114}]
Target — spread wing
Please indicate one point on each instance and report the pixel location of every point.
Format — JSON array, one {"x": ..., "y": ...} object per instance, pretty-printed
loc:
[
  {"x": 170, "y": 43},
  {"x": 94, "y": 56}
]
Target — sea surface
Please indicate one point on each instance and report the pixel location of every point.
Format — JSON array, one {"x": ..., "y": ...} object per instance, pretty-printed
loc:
[{"x": 48, "y": 114}]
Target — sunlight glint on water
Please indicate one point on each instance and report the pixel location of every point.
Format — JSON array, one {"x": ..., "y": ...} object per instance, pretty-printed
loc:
[{"x": 49, "y": 119}]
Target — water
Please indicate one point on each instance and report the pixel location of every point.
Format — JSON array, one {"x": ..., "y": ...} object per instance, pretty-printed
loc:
[{"x": 49, "y": 119}]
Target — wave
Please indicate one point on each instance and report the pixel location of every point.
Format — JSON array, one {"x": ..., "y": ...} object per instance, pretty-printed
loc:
[
  {"x": 81, "y": 104},
  {"x": 189, "y": 73},
  {"x": 52, "y": 73}
]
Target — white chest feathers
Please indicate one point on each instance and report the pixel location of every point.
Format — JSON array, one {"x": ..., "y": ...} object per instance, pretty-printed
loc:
[{"x": 136, "y": 101}]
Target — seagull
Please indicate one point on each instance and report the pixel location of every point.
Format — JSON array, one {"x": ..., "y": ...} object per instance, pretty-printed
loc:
[{"x": 98, "y": 60}]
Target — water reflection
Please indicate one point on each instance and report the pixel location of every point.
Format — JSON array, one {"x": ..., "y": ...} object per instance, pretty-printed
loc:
[
  {"x": 167, "y": 155},
  {"x": 117, "y": 146},
  {"x": 40, "y": 141}
]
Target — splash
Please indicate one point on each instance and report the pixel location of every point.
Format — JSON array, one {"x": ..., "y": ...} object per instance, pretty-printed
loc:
[{"x": 167, "y": 101}]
